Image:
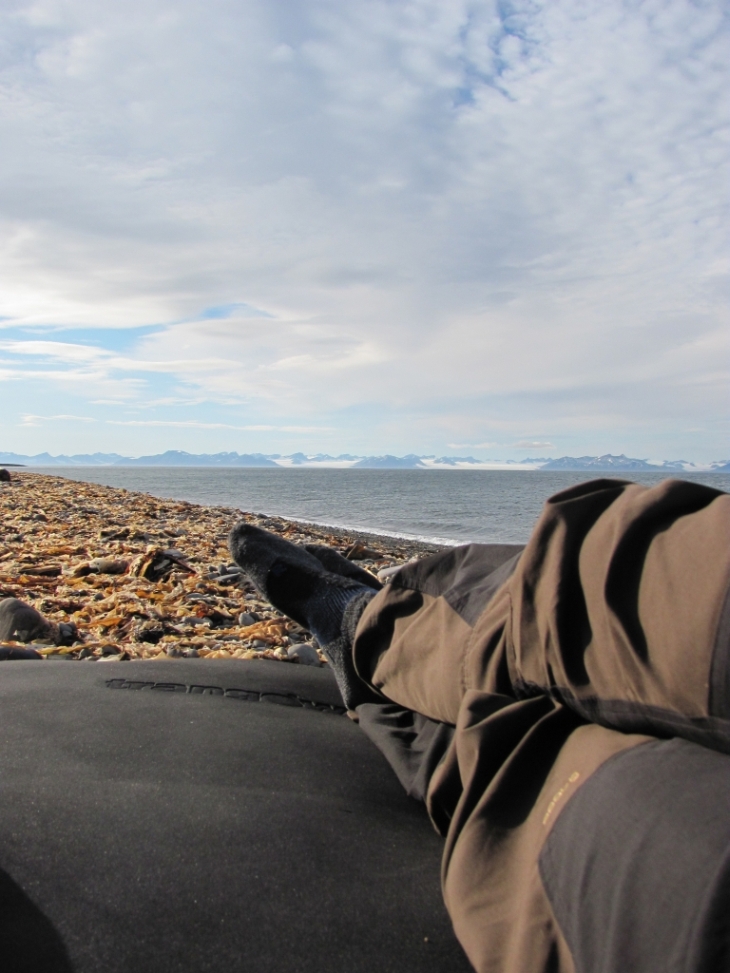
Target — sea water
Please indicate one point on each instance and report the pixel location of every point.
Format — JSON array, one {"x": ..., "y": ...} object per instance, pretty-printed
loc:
[{"x": 440, "y": 506}]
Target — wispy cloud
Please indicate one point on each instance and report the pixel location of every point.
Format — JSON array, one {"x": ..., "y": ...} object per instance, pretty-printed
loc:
[
  {"x": 472, "y": 445},
  {"x": 30, "y": 420},
  {"x": 445, "y": 221},
  {"x": 192, "y": 424}
]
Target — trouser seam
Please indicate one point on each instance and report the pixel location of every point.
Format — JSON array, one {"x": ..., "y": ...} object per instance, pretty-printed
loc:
[{"x": 718, "y": 694}]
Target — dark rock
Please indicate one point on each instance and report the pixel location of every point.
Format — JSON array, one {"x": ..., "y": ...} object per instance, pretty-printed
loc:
[
  {"x": 42, "y": 570},
  {"x": 5, "y": 476},
  {"x": 247, "y": 618},
  {"x": 67, "y": 633},
  {"x": 7, "y": 654},
  {"x": 150, "y": 632},
  {"x": 22, "y": 623},
  {"x": 108, "y": 565}
]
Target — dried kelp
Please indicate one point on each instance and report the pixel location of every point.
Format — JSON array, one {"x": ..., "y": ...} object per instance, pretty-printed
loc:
[{"x": 143, "y": 578}]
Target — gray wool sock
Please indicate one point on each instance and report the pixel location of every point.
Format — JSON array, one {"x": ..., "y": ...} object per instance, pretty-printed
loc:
[
  {"x": 298, "y": 584},
  {"x": 339, "y": 654}
]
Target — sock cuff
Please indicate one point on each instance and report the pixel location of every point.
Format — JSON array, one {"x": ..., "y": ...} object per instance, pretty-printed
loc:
[
  {"x": 353, "y": 613},
  {"x": 339, "y": 652}
]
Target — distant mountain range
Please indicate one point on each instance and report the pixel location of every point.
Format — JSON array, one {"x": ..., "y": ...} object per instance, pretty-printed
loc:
[{"x": 173, "y": 457}]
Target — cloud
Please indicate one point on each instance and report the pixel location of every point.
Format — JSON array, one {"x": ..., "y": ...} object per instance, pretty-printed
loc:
[
  {"x": 191, "y": 424},
  {"x": 31, "y": 420},
  {"x": 533, "y": 444},
  {"x": 471, "y": 445},
  {"x": 380, "y": 218}
]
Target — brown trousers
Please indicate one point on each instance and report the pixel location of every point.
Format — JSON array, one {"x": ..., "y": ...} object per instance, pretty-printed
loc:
[{"x": 579, "y": 676}]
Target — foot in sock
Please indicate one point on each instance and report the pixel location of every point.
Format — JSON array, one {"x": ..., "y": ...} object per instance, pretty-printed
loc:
[
  {"x": 293, "y": 580},
  {"x": 296, "y": 583}
]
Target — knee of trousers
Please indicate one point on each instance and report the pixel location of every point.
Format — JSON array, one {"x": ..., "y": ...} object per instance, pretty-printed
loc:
[
  {"x": 520, "y": 768},
  {"x": 621, "y": 609},
  {"x": 413, "y": 638}
]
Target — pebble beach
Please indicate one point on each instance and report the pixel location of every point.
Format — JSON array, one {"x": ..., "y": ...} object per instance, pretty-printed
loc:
[{"x": 146, "y": 578}]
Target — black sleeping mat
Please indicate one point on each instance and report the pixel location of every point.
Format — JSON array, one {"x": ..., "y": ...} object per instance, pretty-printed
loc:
[{"x": 187, "y": 815}]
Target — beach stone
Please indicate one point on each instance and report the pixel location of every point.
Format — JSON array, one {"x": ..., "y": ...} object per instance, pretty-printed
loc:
[
  {"x": 67, "y": 633},
  {"x": 5, "y": 476},
  {"x": 228, "y": 578},
  {"x": 42, "y": 570},
  {"x": 305, "y": 654},
  {"x": 23, "y": 623},
  {"x": 8, "y": 653},
  {"x": 108, "y": 565},
  {"x": 246, "y": 618},
  {"x": 109, "y": 650},
  {"x": 259, "y": 644}
]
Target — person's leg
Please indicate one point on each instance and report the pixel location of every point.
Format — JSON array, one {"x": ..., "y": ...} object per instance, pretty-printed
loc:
[
  {"x": 314, "y": 594},
  {"x": 413, "y": 745},
  {"x": 328, "y": 595},
  {"x": 619, "y": 607},
  {"x": 578, "y": 849},
  {"x": 512, "y": 769},
  {"x": 637, "y": 866},
  {"x": 617, "y": 610},
  {"x": 415, "y": 637}
]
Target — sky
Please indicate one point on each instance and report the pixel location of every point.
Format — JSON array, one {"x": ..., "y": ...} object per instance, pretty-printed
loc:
[{"x": 366, "y": 226}]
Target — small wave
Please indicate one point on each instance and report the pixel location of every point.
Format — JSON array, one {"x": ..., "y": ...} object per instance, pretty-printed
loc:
[{"x": 359, "y": 529}]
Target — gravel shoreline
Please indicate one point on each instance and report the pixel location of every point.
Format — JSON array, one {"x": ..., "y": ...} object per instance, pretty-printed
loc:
[{"x": 147, "y": 578}]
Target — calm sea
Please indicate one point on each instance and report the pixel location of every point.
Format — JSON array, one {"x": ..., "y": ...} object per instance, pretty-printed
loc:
[{"x": 442, "y": 506}]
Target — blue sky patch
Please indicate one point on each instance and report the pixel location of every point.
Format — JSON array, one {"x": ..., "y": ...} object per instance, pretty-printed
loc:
[{"x": 223, "y": 311}]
